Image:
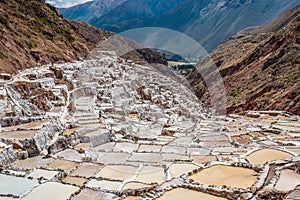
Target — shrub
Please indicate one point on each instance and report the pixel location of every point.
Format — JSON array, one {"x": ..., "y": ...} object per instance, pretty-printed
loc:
[{"x": 3, "y": 20}]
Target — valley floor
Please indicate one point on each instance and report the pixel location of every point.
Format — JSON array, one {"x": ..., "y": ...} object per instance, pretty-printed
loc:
[{"x": 110, "y": 129}]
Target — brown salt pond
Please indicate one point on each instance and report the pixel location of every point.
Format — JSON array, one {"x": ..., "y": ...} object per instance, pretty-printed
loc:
[
  {"x": 236, "y": 177},
  {"x": 75, "y": 180},
  {"x": 266, "y": 155},
  {"x": 34, "y": 162},
  {"x": 183, "y": 194},
  {"x": 17, "y": 135},
  {"x": 70, "y": 131},
  {"x": 65, "y": 165},
  {"x": 33, "y": 125}
]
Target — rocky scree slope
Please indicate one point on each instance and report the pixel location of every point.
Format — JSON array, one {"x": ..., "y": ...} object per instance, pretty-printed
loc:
[{"x": 260, "y": 67}]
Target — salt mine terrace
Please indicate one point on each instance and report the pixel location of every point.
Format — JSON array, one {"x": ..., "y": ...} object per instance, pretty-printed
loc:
[{"x": 110, "y": 129}]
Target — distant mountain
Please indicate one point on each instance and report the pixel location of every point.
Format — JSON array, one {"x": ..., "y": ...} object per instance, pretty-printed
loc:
[
  {"x": 208, "y": 21},
  {"x": 260, "y": 67},
  {"x": 134, "y": 13},
  {"x": 87, "y": 11}
]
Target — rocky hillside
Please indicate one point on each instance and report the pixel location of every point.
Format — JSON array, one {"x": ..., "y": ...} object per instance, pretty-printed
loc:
[
  {"x": 209, "y": 22},
  {"x": 260, "y": 67},
  {"x": 33, "y": 32}
]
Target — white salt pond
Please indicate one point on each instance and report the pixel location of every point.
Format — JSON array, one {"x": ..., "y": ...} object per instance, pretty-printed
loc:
[
  {"x": 51, "y": 190},
  {"x": 184, "y": 194},
  {"x": 41, "y": 173},
  {"x": 16, "y": 185},
  {"x": 105, "y": 185},
  {"x": 288, "y": 180}
]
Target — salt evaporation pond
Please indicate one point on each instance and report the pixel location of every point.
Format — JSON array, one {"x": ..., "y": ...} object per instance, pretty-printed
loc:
[
  {"x": 183, "y": 194},
  {"x": 236, "y": 177},
  {"x": 266, "y": 155},
  {"x": 16, "y": 186}
]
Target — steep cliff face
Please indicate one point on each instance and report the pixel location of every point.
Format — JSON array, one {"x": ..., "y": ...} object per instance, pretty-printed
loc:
[
  {"x": 260, "y": 67},
  {"x": 33, "y": 32}
]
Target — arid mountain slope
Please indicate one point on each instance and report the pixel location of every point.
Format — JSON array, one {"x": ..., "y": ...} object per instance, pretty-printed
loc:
[
  {"x": 260, "y": 67},
  {"x": 33, "y": 32}
]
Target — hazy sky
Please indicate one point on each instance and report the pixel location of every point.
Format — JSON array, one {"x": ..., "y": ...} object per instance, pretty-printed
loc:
[{"x": 65, "y": 3}]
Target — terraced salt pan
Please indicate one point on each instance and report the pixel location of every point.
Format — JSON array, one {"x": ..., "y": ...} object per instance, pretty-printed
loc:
[
  {"x": 135, "y": 185},
  {"x": 126, "y": 147},
  {"x": 95, "y": 195},
  {"x": 87, "y": 170},
  {"x": 150, "y": 174},
  {"x": 34, "y": 162},
  {"x": 51, "y": 190},
  {"x": 289, "y": 126},
  {"x": 33, "y": 125},
  {"x": 173, "y": 149},
  {"x": 70, "y": 131},
  {"x": 70, "y": 154},
  {"x": 75, "y": 180},
  {"x": 105, "y": 185},
  {"x": 177, "y": 170},
  {"x": 266, "y": 155},
  {"x": 150, "y": 148},
  {"x": 105, "y": 147},
  {"x": 288, "y": 180},
  {"x": 174, "y": 157},
  {"x": 203, "y": 159},
  {"x": 65, "y": 165},
  {"x": 117, "y": 172},
  {"x": 184, "y": 194},
  {"x": 41, "y": 173},
  {"x": 146, "y": 157},
  {"x": 113, "y": 158},
  {"x": 17, "y": 135},
  {"x": 226, "y": 175},
  {"x": 15, "y": 185}
]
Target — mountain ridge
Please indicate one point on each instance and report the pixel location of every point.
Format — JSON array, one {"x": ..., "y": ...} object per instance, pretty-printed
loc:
[
  {"x": 208, "y": 22},
  {"x": 260, "y": 68},
  {"x": 86, "y": 11}
]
